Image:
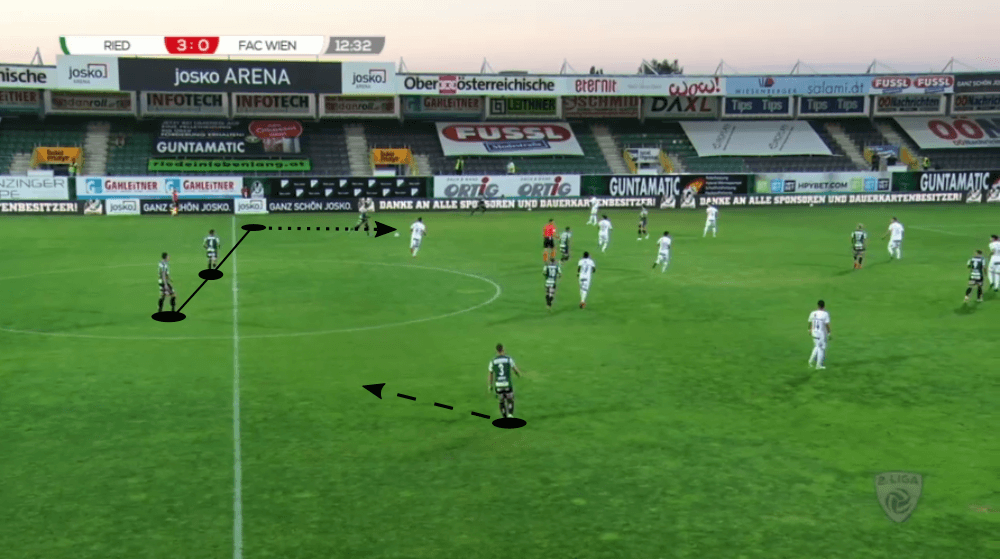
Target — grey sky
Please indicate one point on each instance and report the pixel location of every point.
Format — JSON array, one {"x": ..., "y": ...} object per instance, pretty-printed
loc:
[{"x": 536, "y": 35}]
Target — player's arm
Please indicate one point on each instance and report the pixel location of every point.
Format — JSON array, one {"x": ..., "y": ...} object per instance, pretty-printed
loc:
[
  {"x": 515, "y": 369},
  {"x": 489, "y": 386}
]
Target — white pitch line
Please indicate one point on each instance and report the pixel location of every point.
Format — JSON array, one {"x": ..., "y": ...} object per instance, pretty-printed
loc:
[
  {"x": 237, "y": 442},
  {"x": 939, "y": 231}
]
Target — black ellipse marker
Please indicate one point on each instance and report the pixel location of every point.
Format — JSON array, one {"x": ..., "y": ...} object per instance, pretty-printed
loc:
[
  {"x": 210, "y": 274},
  {"x": 169, "y": 316},
  {"x": 253, "y": 227},
  {"x": 509, "y": 423}
]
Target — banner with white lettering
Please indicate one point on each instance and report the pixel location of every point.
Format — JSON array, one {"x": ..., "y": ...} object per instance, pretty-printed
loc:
[
  {"x": 230, "y": 138},
  {"x": 752, "y": 137},
  {"x": 508, "y": 139},
  {"x": 258, "y": 76},
  {"x": 159, "y": 187},
  {"x": 680, "y": 107},
  {"x": 783, "y": 86},
  {"x": 472, "y": 186},
  {"x": 500, "y": 108},
  {"x": 368, "y": 78},
  {"x": 28, "y": 77},
  {"x": 20, "y": 100},
  {"x": 757, "y": 107},
  {"x": 443, "y": 107},
  {"x": 357, "y": 106},
  {"x": 345, "y": 187},
  {"x": 274, "y": 104},
  {"x": 250, "y": 206},
  {"x": 912, "y": 84},
  {"x": 975, "y": 103},
  {"x": 814, "y": 107},
  {"x": 35, "y": 207},
  {"x": 34, "y": 188},
  {"x": 601, "y": 107},
  {"x": 90, "y": 103},
  {"x": 505, "y": 204},
  {"x": 821, "y": 183},
  {"x": 945, "y": 181},
  {"x": 979, "y": 82},
  {"x": 952, "y": 132},
  {"x": 910, "y": 104},
  {"x": 664, "y": 85},
  {"x": 166, "y": 103},
  {"x": 829, "y": 199},
  {"x": 480, "y": 84},
  {"x": 669, "y": 189},
  {"x": 188, "y": 206}
]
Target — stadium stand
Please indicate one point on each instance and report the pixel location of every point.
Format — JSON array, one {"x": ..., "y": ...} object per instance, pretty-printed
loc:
[
  {"x": 20, "y": 136},
  {"x": 948, "y": 159}
]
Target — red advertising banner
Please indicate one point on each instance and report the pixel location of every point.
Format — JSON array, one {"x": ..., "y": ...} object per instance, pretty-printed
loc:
[
  {"x": 90, "y": 103},
  {"x": 601, "y": 107},
  {"x": 340, "y": 106},
  {"x": 894, "y": 85}
]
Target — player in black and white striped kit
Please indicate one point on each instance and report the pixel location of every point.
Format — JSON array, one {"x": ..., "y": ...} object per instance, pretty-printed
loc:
[{"x": 163, "y": 275}]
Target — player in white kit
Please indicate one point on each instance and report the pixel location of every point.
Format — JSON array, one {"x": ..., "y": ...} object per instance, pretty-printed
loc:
[
  {"x": 417, "y": 232},
  {"x": 895, "y": 234},
  {"x": 664, "y": 256},
  {"x": 993, "y": 271},
  {"x": 819, "y": 328},
  {"x": 710, "y": 223},
  {"x": 585, "y": 270},
  {"x": 594, "y": 206},
  {"x": 604, "y": 235}
]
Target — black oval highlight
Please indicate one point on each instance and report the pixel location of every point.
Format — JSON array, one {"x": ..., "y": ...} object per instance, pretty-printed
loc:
[
  {"x": 509, "y": 423},
  {"x": 169, "y": 316},
  {"x": 210, "y": 274},
  {"x": 253, "y": 227}
]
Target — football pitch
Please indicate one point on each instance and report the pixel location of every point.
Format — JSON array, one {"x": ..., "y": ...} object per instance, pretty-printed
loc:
[{"x": 675, "y": 416}]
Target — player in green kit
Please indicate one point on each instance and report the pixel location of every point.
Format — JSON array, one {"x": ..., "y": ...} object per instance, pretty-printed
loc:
[
  {"x": 212, "y": 243},
  {"x": 977, "y": 269},
  {"x": 166, "y": 289},
  {"x": 564, "y": 240},
  {"x": 501, "y": 381},
  {"x": 858, "y": 240},
  {"x": 551, "y": 272}
]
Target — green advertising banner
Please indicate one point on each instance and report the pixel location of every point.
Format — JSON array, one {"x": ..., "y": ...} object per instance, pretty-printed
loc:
[{"x": 229, "y": 165}]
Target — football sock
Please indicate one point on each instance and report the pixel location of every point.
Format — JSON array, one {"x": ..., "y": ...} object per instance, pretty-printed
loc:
[
  {"x": 968, "y": 291},
  {"x": 979, "y": 291},
  {"x": 654, "y": 265},
  {"x": 813, "y": 355},
  {"x": 510, "y": 407},
  {"x": 820, "y": 356},
  {"x": 173, "y": 303},
  {"x": 415, "y": 250},
  {"x": 583, "y": 295},
  {"x": 503, "y": 408},
  {"x": 160, "y": 304}
]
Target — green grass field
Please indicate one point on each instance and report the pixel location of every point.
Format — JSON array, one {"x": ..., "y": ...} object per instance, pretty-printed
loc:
[{"x": 673, "y": 417}]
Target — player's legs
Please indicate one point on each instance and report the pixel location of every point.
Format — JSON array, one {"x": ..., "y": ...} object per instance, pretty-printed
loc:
[
  {"x": 602, "y": 241},
  {"x": 414, "y": 247},
  {"x": 995, "y": 276},
  {"x": 584, "y": 289},
  {"x": 821, "y": 353},
  {"x": 163, "y": 296},
  {"x": 593, "y": 218},
  {"x": 899, "y": 250},
  {"x": 815, "y": 352},
  {"x": 892, "y": 249},
  {"x": 665, "y": 257},
  {"x": 510, "y": 404}
]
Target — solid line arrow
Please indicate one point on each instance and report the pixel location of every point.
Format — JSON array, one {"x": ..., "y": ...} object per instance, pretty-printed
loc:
[
  {"x": 375, "y": 389},
  {"x": 382, "y": 229}
]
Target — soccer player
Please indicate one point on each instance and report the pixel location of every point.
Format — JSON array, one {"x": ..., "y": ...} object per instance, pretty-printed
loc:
[
  {"x": 502, "y": 382},
  {"x": 564, "y": 240},
  {"x": 365, "y": 207},
  {"x": 585, "y": 270},
  {"x": 858, "y": 240},
  {"x": 819, "y": 327},
  {"x": 166, "y": 288},
  {"x": 212, "y": 248},
  {"x": 417, "y": 232},
  {"x": 595, "y": 204},
  {"x": 664, "y": 256},
  {"x": 977, "y": 267},
  {"x": 604, "y": 235},
  {"x": 995, "y": 262},
  {"x": 480, "y": 205},
  {"x": 549, "y": 241},
  {"x": 643, "y": 221},
  {"x": 175, "y": 203},
  {"x": 710, "y": 223},
  {"x": 551, "y": 272},
  {"x": 895, "y": 234}
]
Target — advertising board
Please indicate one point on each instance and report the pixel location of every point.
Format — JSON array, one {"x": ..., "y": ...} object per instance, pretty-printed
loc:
[
  {"x": 751, "y": 137},
  {"x": 952, "y": 132},
  {"x": 508, "y": 139},
  {"x": 681, "y": 107},
  {"x": 471, "y": 186}
]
